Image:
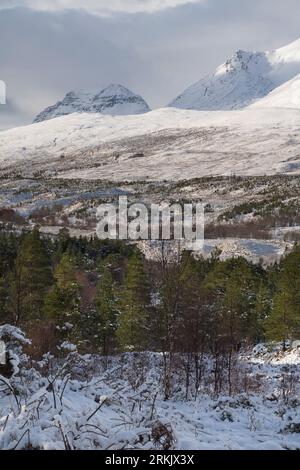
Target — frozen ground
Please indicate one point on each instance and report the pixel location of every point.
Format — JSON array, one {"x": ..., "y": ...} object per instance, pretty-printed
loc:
[
  {"x": 269, "y": 251},
  {"x": 80, "y": 405}
]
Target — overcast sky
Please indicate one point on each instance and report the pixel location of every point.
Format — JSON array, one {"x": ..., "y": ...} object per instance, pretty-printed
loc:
[{"x": 154, "y": 47}]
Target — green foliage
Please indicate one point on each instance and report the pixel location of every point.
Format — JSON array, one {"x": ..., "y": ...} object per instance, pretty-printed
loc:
[
  {"x": 105, "y": 290},
  {"x": 106, "y": 312},
  {"x": 62, "y": 302},
  {"x": 30, "y": 278},
  {"x": 234, "y": 285},
  {"x": 134, "y": 303},
  {"x": 8, "y": 251},
  {"x": 284, "y": 320}
]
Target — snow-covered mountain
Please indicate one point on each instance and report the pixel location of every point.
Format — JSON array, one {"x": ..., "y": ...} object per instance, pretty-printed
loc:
[
  {"x": 243, "y": 79},
  {"x": 114, "y": 100},
  {"x": 285, "y": 96}
]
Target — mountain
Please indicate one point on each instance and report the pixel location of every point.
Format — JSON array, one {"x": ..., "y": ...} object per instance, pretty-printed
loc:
[
  {"x": 165, "y": 144},
  {"x": 245, "y": 78},
  {"x": 113, "y": 100},
  {"x": 285, "y": 96}
]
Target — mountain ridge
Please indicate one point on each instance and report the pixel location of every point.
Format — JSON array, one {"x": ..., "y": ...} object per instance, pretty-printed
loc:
[
  {"x": 243, "y": 79},
  {"x": 114, "y": 100}
]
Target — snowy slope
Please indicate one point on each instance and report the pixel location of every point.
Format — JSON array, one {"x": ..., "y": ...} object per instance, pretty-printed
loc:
[
  {"x": 243, "y": 79},
  {"x": 113, "y": 100},
  {"x": 285, "y": 96},
  {"x": 164, "y": 144}
]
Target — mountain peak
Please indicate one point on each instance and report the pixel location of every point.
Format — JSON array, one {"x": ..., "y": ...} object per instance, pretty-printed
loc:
[
  {"x": 243, "y": 79},
  {"x": 114, "y": 100},
  {"x": 116, "y": 89}
]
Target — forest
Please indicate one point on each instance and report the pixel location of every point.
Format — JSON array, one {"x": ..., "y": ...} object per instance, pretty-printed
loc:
[{"x": 105, "y": 298}]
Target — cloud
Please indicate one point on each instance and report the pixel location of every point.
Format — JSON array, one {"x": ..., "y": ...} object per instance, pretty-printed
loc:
[
  {"x": 99, "y": 7},
  {"x": 46, "y": 54}
]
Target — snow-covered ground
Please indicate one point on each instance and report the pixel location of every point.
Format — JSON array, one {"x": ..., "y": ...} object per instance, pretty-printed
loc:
[
  {"x": 166, "y": 144},
  {"x": 269, "y": 251},
  {"x": 86, "y": 403},
  {"x": 285, "y": 96}
]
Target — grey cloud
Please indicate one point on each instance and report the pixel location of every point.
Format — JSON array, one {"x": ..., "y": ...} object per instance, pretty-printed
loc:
[
  {"x": 99, "y": 7},
  {"x": 46, "y": 54}
]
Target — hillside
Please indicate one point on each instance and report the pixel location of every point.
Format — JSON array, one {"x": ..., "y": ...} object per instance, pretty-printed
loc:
[
  {"x": 285, "y": 96},
  {"x": 165, "y": 144}
]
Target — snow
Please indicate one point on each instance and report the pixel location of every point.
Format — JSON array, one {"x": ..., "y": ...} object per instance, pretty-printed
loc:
[
  {"x": 167, "y": 144},
  {"x": 113, "y": 100},
  {"x": 267, "y": 251},
  {"x": 14, "y": 339},
  {"x": 90, "y": 407},
  {"x": 285, "y": 96},
  {"x": 242, "y": 79}
]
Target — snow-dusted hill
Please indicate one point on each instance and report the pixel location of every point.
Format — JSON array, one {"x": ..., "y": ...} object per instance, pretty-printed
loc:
[
  {"x": 243, "y": 79},
  {"x": 166, "y": 144},
  {"x": 285, "y": 96},
  {"x": 113, "y": 100}
]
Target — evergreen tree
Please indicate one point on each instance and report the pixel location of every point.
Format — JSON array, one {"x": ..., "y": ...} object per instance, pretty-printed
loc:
[
  {"x": 234, "y": 284},
  {"x": 106, "y": 314},
  {"x": 284, "y": 320},
  {"x": 134, "y": 307},
  {"x": 62, "y": 302},
  {"x": 30, "y": 279},
  {"x": 8, "y": 251},
  {"x": 3, "y": 301}
]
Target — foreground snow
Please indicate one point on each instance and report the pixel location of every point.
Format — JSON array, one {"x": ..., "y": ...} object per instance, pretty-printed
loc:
[{"x": 122, "y": 407}]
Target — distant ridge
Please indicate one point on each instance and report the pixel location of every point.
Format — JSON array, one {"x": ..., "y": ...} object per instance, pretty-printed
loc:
[{"x": 114, "y": 100}]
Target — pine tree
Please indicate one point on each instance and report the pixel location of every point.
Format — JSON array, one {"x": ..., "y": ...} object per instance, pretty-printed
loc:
[
  {"x": 263, "y": 306},
  {"x": 234, "y": 285},
  {"x": 30, "y": 279},
  {"x": 284, "y": 320},
  {"x": 134, "y": 307},
  {"x": 62, "y": 302},
  {"x": 3, "y": 301},
  {"x": 106, "y": 314}
]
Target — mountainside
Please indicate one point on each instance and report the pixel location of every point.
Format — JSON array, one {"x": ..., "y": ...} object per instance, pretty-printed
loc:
[
  {"x": 243, "y": 79},
  {"x": 114, "y": 100},
  {"x": 166, "y": 144},
  {"x": 285, "y": 96}
]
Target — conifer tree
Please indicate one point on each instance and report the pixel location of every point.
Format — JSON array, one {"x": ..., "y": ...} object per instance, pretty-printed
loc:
[
  {"x": 284, "y": 320},
  {"x": 234, "y": 285},
  {"x": 134, "y": 307},
  {"x": 3, "y": 301},
  {"x": 62, "y": 302},
  {"x": 30, "y": 279},
  {"x": 106, "y": 315}
]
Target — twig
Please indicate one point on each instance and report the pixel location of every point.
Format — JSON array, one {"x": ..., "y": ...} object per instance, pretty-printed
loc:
[
  {"x": 97, "y": 409},
  {"x": 153, "y": 405},
  {"x": 24, "y": 434}
]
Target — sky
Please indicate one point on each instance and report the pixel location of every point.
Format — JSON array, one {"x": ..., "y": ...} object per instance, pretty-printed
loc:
[{"x": 156, "y": 48}]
